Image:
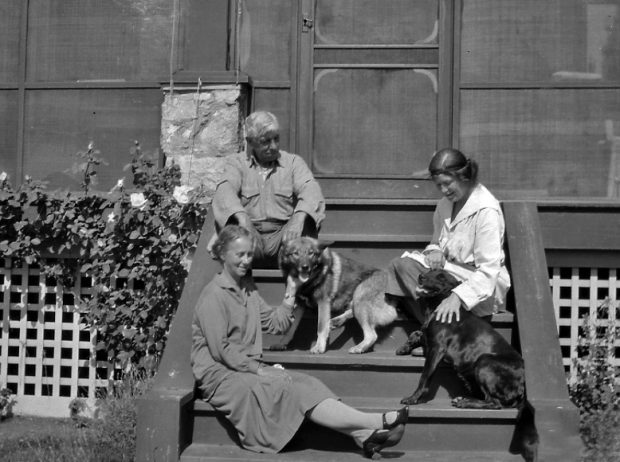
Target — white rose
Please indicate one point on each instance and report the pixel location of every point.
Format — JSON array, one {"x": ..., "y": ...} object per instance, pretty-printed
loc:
[
  {"x": 181, "y": 194},
  {"x": 119, "y": 186},
  {"x": 3, "y": 176},
  {"x": 111, "y": 217},
  {"x": 137, "y": 200}
]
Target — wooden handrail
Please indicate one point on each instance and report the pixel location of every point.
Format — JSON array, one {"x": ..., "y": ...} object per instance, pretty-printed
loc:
[
  {"x": 164, "y": 423},
  {"x": 556, "y": 418},
  {"x": 534, "y": 305}
]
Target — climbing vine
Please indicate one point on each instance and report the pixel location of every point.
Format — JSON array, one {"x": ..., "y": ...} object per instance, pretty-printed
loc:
[{"x": 133, "y": 243}]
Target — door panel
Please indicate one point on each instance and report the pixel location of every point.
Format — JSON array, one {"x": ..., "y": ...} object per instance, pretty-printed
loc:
[
  {"x": 381, "y": 22},
  {"x": 371, "y": 94},
  {"x": 371, "y": 121}
]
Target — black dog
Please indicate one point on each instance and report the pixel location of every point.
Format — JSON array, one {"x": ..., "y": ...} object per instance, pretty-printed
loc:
[{"x": 481, "y": 356}]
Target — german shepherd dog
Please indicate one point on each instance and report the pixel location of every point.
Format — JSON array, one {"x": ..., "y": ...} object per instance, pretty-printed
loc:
[
  {"x": 336, "y": 284},
  {"x": 483, "y": 359}
]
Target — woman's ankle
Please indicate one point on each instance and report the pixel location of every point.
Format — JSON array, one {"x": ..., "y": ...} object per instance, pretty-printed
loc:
[{"x": 359, "y": 436}]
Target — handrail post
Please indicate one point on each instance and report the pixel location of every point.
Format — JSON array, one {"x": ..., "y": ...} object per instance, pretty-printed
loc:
[
  {"x": 556, "y": 417},
  {"x": 164, "y": 426}
]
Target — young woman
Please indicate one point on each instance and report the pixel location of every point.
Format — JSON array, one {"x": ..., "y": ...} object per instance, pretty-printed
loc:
[
  {"x": 468, "y": 239},
  {"x": 266, "y": 404}
]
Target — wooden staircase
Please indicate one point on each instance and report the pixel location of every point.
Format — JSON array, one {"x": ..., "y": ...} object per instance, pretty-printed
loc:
[{"x": 173, "y": 425}]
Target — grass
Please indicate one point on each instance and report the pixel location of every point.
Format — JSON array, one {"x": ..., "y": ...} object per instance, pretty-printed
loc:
[
  {"x": 29, "y": 439},
  {"x": 110, "y": 437}
]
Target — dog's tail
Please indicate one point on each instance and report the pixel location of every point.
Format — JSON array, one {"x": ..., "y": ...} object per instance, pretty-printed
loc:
[{"x": 525, "y": 439}]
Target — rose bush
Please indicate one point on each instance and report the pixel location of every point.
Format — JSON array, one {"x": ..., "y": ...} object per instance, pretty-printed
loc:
[
  {"x": 131, "y": 246},
  {"x": 595, "y": 384}
]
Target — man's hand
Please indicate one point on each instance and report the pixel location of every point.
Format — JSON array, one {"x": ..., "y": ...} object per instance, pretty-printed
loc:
[
  {"x": 210, "y": 245},
  {"x": 448, "y": 307},
  {"x": 294, "y": 227},
  {"x": 435, "y": 259},
  {"x": 244, "y": 221}
]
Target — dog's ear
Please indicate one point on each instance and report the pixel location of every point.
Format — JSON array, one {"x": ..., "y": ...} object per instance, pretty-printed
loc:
[
  {"x": 326, "y": 255},
  {"x": 448, "y": 279},
  {"x": 283, "y": 255},
  {"x": 322, "y": 245}
]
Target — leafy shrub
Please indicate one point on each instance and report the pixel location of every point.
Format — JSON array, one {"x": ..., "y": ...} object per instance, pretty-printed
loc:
[
  {"x": 595, "y": 386},
  {"x": 114, "y": 428},
  {"x": 7, "y": 401},
  {"x": 135, "y": 244}
]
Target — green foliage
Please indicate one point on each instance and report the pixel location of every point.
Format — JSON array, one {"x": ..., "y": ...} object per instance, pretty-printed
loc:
[
  {"x": 135, "y": 245},
  {"x": 595, "y": 386},
  {"x": 109, "y": 436},
  {"x": 7, "y": 401}
]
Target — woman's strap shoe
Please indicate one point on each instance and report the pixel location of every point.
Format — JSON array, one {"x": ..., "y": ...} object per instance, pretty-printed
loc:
[
  {"x": 402, "y": 416},
  {"x": 380, "y": 439}
]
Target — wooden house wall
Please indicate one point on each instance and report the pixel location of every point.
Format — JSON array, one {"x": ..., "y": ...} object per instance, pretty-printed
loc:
[{"x": 365, "y": 91}]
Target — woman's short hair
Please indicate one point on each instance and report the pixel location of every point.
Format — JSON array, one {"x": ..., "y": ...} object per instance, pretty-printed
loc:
[
  {"x": 259, "y": 123},
  {"x": 450, "y": 161},
  {"x": 228, "y": 234}
]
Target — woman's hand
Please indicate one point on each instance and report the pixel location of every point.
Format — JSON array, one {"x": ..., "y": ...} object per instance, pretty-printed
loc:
[
  {"x": 435, "y": 259},
  {"x": 448, "y": 307},
  {"x": 273, "y": 372}
]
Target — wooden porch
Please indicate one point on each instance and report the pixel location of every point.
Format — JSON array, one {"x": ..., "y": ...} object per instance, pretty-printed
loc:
[{"x": 173, "y": 425}]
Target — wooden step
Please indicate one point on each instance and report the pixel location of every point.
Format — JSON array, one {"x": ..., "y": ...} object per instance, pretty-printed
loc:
[
  {"x": 431, "y": 425},
  {"x": 436, "y": 409},
  {"x": 389, "y": 337},
  {"x": 378, "y": 373},
  {"x": 215, "y": 452}
]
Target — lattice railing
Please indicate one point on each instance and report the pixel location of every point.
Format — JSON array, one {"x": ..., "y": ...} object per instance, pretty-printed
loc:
[
  {"x": 45, "y": 352},
  {"x": 578, "y": 292}
]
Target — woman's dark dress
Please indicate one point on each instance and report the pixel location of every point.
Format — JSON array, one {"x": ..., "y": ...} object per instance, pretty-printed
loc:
[{"x": 226, "y": 352}]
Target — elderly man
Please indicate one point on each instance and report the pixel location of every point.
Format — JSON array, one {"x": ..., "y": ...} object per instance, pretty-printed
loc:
[{"x": 270, "y": 192}]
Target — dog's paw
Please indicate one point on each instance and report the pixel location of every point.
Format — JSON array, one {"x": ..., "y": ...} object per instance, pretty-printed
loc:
[
  {"x": 357, "y": 349},
  {"x": 317, "y": 350},
  {"x": 410, "y": 400},
  {"x": 404, "y": 350},
  {"x": 459, "y": 402}
]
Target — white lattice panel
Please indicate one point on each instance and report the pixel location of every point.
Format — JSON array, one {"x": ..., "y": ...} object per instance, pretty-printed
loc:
[
  {"x": 47, "y": 357},
  {"x": 578, "y": 292}
]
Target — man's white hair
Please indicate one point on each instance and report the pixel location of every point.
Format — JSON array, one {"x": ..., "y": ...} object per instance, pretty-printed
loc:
[{"x": 260, "y": 122}]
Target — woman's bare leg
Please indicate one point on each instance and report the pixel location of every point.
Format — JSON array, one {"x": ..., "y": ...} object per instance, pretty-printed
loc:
[{"x": 343, "y": 418}]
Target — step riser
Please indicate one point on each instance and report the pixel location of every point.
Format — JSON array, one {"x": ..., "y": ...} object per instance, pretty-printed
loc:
[
  {"x": 420, "y": 434},
  {"x": 390, "y": 337},
  {"x": 391, "y": 384}
]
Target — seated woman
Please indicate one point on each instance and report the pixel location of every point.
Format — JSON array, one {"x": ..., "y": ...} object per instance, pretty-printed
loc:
[
  {"x": 266, "y": 404},
  {"x": 468, "y": 239}
]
